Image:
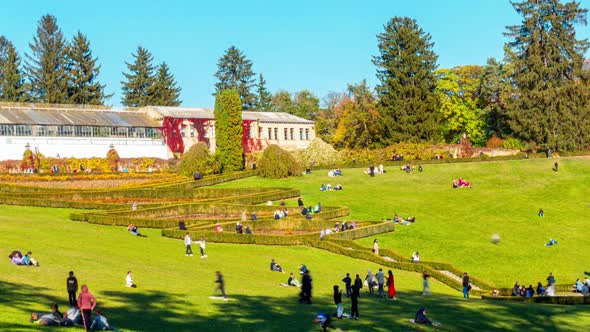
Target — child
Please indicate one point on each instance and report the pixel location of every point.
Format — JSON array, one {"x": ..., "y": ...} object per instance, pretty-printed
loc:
[
  {"x": 129, "y": 280},
  {"x": 221, "y": 284},
  {"x": 202, "y": 247},
  {"x": 324, "y": 321},
  {"x": 338, "y": 302},
  {"x": 187, "y": 243},
  {"x": 72, "y": 287}
]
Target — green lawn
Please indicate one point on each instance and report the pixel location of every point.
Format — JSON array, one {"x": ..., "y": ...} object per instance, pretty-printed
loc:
[
  {"x": 455, "y": 225},
  {"x": 173, "y": 289}
]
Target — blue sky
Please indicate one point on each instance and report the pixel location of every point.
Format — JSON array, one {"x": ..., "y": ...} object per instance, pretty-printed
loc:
[{"x": 317, "y": 45}]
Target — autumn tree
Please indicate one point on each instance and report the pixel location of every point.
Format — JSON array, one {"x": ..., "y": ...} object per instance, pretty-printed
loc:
[
  {"x": 549, "y": 101},
  {"x": 234, "y": 71},
  {"x": 326, "y": 120},
  {"x": 406, "y": 67}
]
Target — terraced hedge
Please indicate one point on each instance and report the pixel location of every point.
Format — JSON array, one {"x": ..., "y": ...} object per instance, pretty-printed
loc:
[{"x": 567, "y": 300}]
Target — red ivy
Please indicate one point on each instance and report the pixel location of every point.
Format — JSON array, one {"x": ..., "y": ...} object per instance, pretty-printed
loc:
[{"x": 172, "y": 135}]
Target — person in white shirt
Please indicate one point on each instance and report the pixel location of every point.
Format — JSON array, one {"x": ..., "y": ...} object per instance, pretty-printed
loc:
[
  {"x": 129, "y": 280},
  {"x": 202, "y": 244},
  {"x": 187, "y": 243}
]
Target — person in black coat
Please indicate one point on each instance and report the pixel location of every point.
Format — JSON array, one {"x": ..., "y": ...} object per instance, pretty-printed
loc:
[
  {"x": 358, "y": 283},
  {"x": 72, "y": 286},
  {"x": 354, "y": 299},
  {"x": 300, "y": 202},
  {"x": 305, "y": 295},
  {"x": 348, "y": 283}
]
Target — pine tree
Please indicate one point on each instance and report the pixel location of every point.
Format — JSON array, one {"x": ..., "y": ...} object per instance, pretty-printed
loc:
[
  {"x": 406, "y": 68},
  {"x": 47, "y": 64},
  {"x": 549, "y": 101},
  {"x": 11, "y": 75},
  {"x": 83, "y": 84},
  {"x": 234, "y": 71},
  {"x": 492, "y": 89},
  {"x": 165, "y": 91},
  {"x": 228, "y": 130},
  {"x": 139, "y": 82},
  {"x": 264, "y": 97}
]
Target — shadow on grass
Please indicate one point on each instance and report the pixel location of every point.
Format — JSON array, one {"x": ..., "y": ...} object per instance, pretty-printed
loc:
[{"x": 160, "y": 311}]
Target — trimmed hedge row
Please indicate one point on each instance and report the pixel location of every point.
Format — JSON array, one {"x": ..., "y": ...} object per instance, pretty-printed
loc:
[
  {"x": 232, "y": 237},
  {"x": 561, "y": 288},
  {"x": 211, "y": 180},
  {"x": 41, "y": 202},
  {"x": 567, "y": 300},
  {"x": 366, "y": 231}
]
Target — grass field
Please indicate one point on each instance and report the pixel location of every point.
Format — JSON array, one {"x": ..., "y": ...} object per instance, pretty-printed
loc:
[
  {"x": 452, "y": 226},
  {"x": 455, "y": 225}
]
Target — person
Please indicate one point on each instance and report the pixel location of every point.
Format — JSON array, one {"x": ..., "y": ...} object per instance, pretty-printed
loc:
[
  {"x": 304, "y": 211},
  {"x": 248, "y": 230},
  {"x": 541, "y": 213},
  {"x": 318, "y": 208},
  {"x": 187, "y": 242},
  {"x": 375, "y": 247},
  {"x": 495, "y": 292},
  {"x": 324, "y": 321},
  {"x": 372, "y": 171},
  {"x": 396, "y": 218},
  {"x": 540, "y": 289},
  {"x": 391, "y": 285},
  {"x": 370, "y": 281},
  {"x": 129, "y": 280},
  {"x": 254, "y": 216},
  {"x": 323, "y": 187},
  {"x": 245, "y": 216},
  {"x": 347, "y": 283},
  {"x": 306, "y": 287},
  {"x": 585, "y": 289},
  {"x": 381, "y": 171},
  {"x": 302, "y": 269},
  {"x": 86, "y": 303},
  {"x": 134, "y": 206},
  {"x": 416, "y": 257},
  {"x": 425, "y": 286},
  {"x": 529, "y": 292},
  {"x": 300, "y": 202},
  {"x": 421, "y": 317},
  {"x": 550, "y": 279},
  {"x": 292, "y": 281},
  {"x": 72, "y": 316},
  {"x": 202, "y": 244},
  {"x": 322, "y": 234},
  {"x": 338, "y": 302},
  {"x": 551, "y": 243},
  {"x": 420, "y": 169},
  {"x": 133, "y": 230},
  {"x": 522, "y": 291},
  {"x": 556, "y": 167},
  {"x": 308, "y": 216},
  {"x": 578, "y": 285},
  {"x": 239, "y": 228},
  {"x": 100, "y": 323},
  {"x": 358, "y": 283},
  {"x": 516, "y": 289},
  {"x": 220, "y": 284},
  {"x": 72, "y": 288},
  {"x": 466, "y": 285},
  {"x": 338, "y": 187},
  {"x": 380, "y": 282},
  {"x": 217, "y": 228},
  {"x": 354, "y": 300},
  {"x": 52, "y": 319}
]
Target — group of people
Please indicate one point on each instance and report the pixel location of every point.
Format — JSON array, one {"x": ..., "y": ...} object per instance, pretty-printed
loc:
[
  {"x": 335, "y": 172},
  {"x": 329, "y": 187},
  {"x": 281, "y": 213},
  {"x": 309, "y": 211},
  {"x": 582, "y": 286},
  {"x": 17, "y": 258},
  {"x": 460, "y": 183},
  {"x": 409, "y": 168},
  {"x": 133, "y": 230},
  {"x": 241, "y": 230},
  {"x": 403, "y": 221},
  {"x": 188, "y": 241},
  {"x": 372, "y": 170},
  {"x": 337, "y": 228}
]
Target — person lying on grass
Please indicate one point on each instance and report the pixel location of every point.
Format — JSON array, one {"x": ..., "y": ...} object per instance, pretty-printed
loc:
[
  {"x": 53, "y": 319},
  {"x": 100, "y": 323},
  {"x": 29, "y": 260}
]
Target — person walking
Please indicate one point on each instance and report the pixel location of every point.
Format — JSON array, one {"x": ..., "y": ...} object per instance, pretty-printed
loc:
[
  {"x": 466, "y": 285},
  {"x": 425, "y": 286},
  {"x": 72, "y": 287},
  {"x": 354, "y": 299},
  {"x": 370, "y": 281},
  {"x": 220, "y": 284},
  {"x": 86, "y": 303},
  {"x": 391, "y": 285},
  {"x": 358, "y": 283},
  {"x": 306, "y": 287},
  {"x": 376, "y": 247},
  {"x": 380, "y": 282},
  {"x": 187, "y": 242},
  {"x": 348, "y": 283},
  {"x": 338, "y": 302},
  {"x": 202, "y": 244}
]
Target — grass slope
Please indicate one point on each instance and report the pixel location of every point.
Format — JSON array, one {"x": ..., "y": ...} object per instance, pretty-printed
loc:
[
  {"x": 455, "y": 225},
  {"x": 173, "y": 293}
]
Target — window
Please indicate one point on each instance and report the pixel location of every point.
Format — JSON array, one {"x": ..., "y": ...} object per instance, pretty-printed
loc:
[
  {"x": 285, "y": 132},
  {"x": 277, "y": 134},
  {"x": 250, "y": 132},
  {"x": 183, "y": 131},
  {"x": 307, "y": 134},
  {"x": 39, "y": 130},
  {"x": 192, "y": 130},
  {"x": 259, "y": 132},
  {"x": 291, "y": 133},
  {"x": 301, "y": 134},
  {"x": 269, "y": 133},
  {"x": 23, "y": 130},
  {"x": 6, "y": 130},
  {"x": 65, "y": 131}
]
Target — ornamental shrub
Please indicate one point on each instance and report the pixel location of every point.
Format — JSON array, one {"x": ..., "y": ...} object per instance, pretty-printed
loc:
[
  {"x": 28, "y": 161},
  {"x": 513, "y": 144},
  {"x": 113, "y": 158},
  {"x": 197, "y": 159},
  {"x": 277, "y": 163},
  {"x": 319, "y": 153},
  {"x": 494, "y": 142}
]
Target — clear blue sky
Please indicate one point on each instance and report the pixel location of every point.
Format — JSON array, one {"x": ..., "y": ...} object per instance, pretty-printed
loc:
[{"x": 317, "y": 45}]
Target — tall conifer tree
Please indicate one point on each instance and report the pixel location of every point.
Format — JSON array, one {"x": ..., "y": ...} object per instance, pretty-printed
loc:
[
  {"x": 47, "y": 65},
  {"x": 11, "y": 74},
  {"x": 550, "y": 97},
  {"x": 228, "y": 130},
  {"x": 406, "y": 68},
  {"x": 165, "y": 90},
  {"x": 83, "y": 84},
  {"x": 264, "y": 96},
  {"x": 138, "y": 87},
  {"x": 234, "y": 71}
]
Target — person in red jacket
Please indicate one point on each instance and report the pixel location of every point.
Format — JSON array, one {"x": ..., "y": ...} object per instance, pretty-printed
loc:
[
  {"x": 86, "y": 303},
  {"x": 391, "y": 285}
]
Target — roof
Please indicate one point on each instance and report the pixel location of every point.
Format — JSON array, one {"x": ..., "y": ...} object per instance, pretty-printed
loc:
[
  {"x": 207, "y": 113},
  {"x": 39, "y": 115}
]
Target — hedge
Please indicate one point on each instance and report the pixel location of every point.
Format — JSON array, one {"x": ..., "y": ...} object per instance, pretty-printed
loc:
[
  {"x": 41, "y": 202},
  {"x": 366, "y": 231},
  {"x": 563, "y": 300},
  {"x": 232, "y": 237}
]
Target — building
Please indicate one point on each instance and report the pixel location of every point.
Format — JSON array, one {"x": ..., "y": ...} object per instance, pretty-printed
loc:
[{"x": 85, "y": 131}]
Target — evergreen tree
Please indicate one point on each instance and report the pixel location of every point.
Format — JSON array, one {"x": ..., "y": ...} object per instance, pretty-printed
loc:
[
  {"x": 264, "y": 97},
  {"x": 11, "y": 75},
  {"x": 492, "y": 90},
  {"x": 138, "y": 87},
  {"x": 406, "y": 68},
  {"x": 549, "y": 101},
  {"x": 234, "y": 71},
  {"x": 47, "y": 65},
  {"x": 228, "y": 130},
  {"x": 83, "y": 85},
  {"x": 165, "y": 91}
]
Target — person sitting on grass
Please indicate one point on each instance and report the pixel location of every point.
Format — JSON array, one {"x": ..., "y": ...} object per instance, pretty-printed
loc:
[
  {"x": 16, "y": 257},
  {"x": 529, "y": 292},
  {"x": 516, "y": 289},
  {"x": 338, "y": 187},
  {"x": 578, "y": 286},
  {"x": 100, "y": 323},
  {"x": 318, "y": 208},
  {"x": 540, "y": 289},
  {"x": 53, "y": 319},
  {"x": 329, "y": 187},
  {"x": 541, "y": 213},
  {"x": 292, "y": 281},
  {"x": 422, "y": 319},
  {"x": 551, "y": 243},
  {"x": 463, "y": 183},
  {"x": 72, "y": 317},
  {"x": 29, "y": 260},
  {"x": 248, "y": 230},
  {"x": 275, "y": 267},
  {"x": 133, "y": 230},
  {"x": 304, "y": 211},
  {"x": 323, "y": 187},
  {"x": 129, "y": 280}
]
